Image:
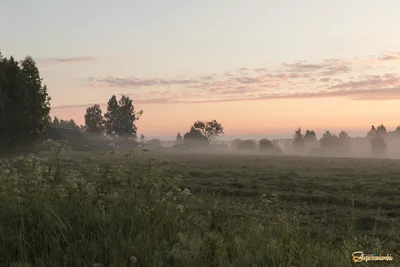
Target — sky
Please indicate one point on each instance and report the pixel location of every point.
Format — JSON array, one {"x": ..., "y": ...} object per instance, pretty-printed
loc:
[{"x": 260, "y": 67}]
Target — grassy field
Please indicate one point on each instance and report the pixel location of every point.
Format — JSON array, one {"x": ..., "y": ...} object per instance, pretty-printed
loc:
[{"x": 144, "y": 208}]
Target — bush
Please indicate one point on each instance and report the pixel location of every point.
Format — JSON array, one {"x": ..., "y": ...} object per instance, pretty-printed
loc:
[{"x": 244, "y": 144}]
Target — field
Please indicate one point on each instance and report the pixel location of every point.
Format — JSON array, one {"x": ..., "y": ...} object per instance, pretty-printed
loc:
[{"x": 145, "y": 208}]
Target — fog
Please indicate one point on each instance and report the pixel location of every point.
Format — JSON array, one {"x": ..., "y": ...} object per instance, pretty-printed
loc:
[{"x": 358, "y": 147}]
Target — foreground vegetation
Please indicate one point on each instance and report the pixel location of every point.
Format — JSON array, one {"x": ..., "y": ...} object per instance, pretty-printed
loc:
[{"x": 64, "y": 208}]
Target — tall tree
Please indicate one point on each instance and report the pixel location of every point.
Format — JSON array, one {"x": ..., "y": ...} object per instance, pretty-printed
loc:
[
  {"x": 377, "y": 137},
  {"x": 310, "y": 139},
  {"x": 94, "y": 121},
  {"x": 112, "y": 117},
  {"x": 329, "y": 140},
  {"x": 344, "y": 141},
  {"x": 298, "y": 141},
  {"x": 126, "y": 118},
  {"x": 120, "y": 119},
  {"x": 24, "y": 102}
]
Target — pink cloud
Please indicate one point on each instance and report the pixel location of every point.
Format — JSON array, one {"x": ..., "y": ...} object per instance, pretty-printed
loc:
[{"x": 66, "y": 60}]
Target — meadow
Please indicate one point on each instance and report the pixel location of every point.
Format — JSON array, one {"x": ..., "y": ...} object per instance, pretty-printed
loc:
[{"x": 159, "y": 208}]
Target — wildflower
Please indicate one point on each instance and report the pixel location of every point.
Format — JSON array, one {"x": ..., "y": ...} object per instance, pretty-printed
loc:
[
  {"x": 186, "y": 192},
  {"x": 180, "y": 208},
  {"x": 133, "y": 260}
]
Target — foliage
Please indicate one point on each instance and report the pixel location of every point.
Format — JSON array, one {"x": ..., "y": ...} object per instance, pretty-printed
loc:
[
  {"x": 121, "y": 117},
  {"x": 268, "y": 146},
  {"x": 179, "y": 139},
  {"x": 310, "y": 137},
  {"x": 329, "y": 140},
  {"x": 244, "y": 144},
  {"x": 155, "y": 142},
  {"x": 24, "y": 102},
  {"x": 209, "y": 129},
  {"x": 69, "y": 124},
  {"x": 194, "y": 138},
  {"x": 94, "y": 121},
  {"x": 298, "y": 141},
  {"x": 377, "y": 137}
]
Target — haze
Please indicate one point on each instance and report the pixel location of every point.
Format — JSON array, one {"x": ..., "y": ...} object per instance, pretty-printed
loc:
[{"x": 258, "y": 67}]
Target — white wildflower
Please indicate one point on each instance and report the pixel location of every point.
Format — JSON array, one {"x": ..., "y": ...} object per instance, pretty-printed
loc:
[
  {"x": 133, "y": 260},
  {"x": 186, "y": 192},
  {"x": 180, "y": 208}
]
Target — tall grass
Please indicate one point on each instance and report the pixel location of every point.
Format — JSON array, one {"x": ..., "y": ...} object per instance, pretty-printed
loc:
[{"x": 137, "y": 214}]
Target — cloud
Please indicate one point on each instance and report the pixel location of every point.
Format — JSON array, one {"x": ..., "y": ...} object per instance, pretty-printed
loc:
[
  {"x": 328, "y": 67},
  {"x": 302, "y": 79},
  {"x": 362, "y": 94},
  {"x": 66, "y": 60},
  {"x": 134, "y": 82},
  {"x": 370, "y": 82}
]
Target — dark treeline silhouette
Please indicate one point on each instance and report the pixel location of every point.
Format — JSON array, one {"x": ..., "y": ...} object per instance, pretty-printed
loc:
[{"x": 25, "y": 109}]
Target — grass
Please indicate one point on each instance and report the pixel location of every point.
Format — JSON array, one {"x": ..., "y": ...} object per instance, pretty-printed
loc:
[{"x": 68, "y": 208}]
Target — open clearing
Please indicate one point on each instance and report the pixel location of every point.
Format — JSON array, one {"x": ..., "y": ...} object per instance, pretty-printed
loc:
[{"x": 243, "y": 210}]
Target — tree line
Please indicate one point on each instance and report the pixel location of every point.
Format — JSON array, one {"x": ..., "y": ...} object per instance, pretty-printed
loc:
[{"x": 25, "y": 114}]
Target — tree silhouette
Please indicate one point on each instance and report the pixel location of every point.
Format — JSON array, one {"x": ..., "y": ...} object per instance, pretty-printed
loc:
[
  {"x": 121, "y": 117},
  {"x": 179, "y": 139},
  {"x": 344, "y": 141},
  {"x": 329, "y": 140},
  {"x": 194, "y": 138},
  {"x": 376, "y": 137},
  {"x": 209, "y": 129},
  {"x": 268, "y": 146},
  {"x": 310, "y": 137},
  {"x": 111, "y": 117},
  {"x": 94, "y": 121},
  {"x": 244, "y": 144},
  {"x": 24, "y": 102},
  {"x": 298, "y": 141}
]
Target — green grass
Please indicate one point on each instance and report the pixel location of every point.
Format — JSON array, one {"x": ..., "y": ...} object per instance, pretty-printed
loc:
[{"x": 78, "y": 209}]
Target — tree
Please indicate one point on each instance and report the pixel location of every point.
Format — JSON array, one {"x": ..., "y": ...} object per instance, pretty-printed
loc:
[
  {"x": 111, "y": 124},
  {"x": 329, "y": 140},
  {"x": 210, "y": 129},
  {"x": 310, "y": 137},
  {"x": 120, "y": 119},
  {"x": 268, "y": 146},
  {"x": 69, "y": 124},
  {"x": 344, "y": 141},
  {"x": 194, "y": 138},
  {"x": 179, "y": 139},
  {"x": 371, "y": 132},
  {"x": 127, "y": 118},
  {"x": 155, "y": 142},
  {"x": 377, "y": 137},
  {"x": 94, "y": 121},
  {"x": 381, "y": 130},
  {"x": 56, "y": 121},
  {"x": 244, "y": 144},
  {"x": 24, "y": 102},
  {"x": 298, "y": 141}
]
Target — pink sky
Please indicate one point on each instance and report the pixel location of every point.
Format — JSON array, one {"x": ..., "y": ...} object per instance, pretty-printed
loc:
[{"x": 333, "y": 94}]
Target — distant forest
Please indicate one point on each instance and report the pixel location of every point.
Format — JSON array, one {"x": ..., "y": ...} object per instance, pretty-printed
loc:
[{"x": 25, "y": 117}]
